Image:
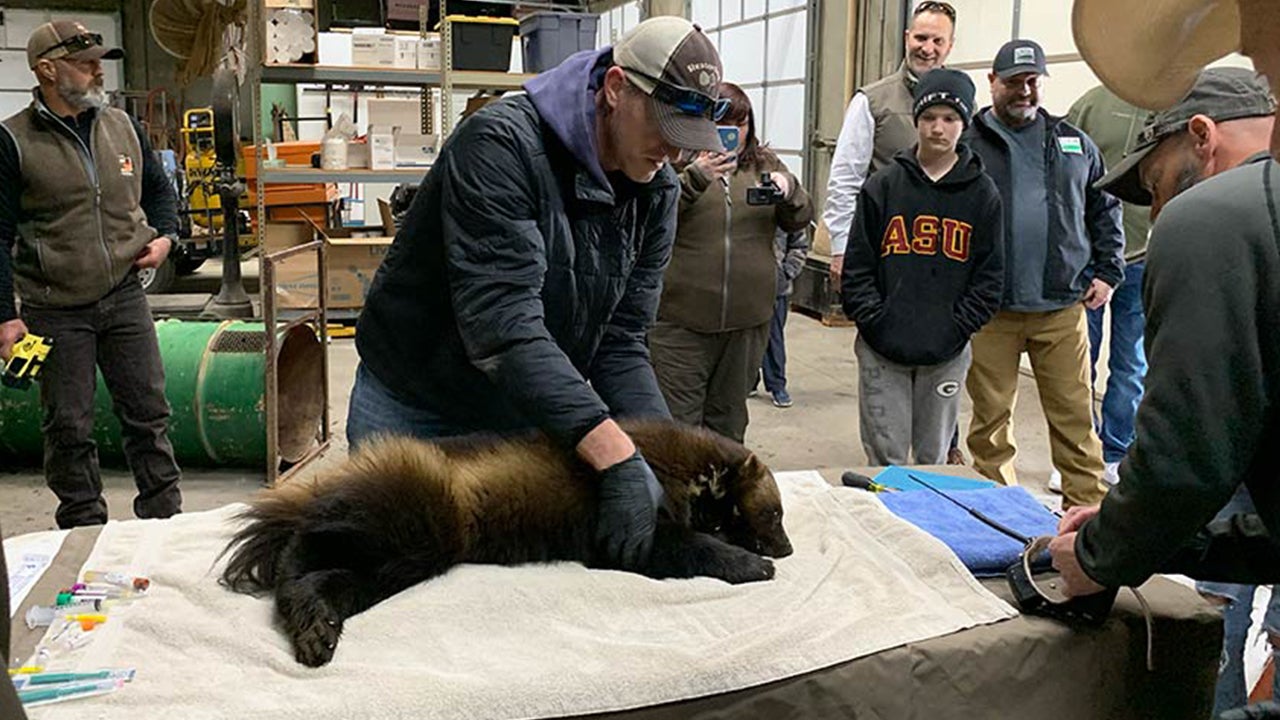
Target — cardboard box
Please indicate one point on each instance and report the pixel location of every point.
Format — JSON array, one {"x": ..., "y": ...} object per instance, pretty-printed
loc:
[
  {"x": 429, "y": 53},
  {"x": 373, "y": 50},
  {"x": 404, "y": 113},
  {"x": 406, "y": 52},
  {"x": 351, "y": 265},
  {"x": 382, "y": 149}
]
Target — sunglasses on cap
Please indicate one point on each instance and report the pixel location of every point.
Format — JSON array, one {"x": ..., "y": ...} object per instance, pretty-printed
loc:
[
  {"x": 76, "y": 43},
  {"x": 935, "y": 6},
  {"x": 686, "y": 100}
]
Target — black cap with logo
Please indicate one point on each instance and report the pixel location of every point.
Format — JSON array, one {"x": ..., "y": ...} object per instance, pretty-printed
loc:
[{"x": 1017, "y": 57}]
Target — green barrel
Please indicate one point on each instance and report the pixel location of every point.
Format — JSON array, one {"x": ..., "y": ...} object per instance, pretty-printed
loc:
[{"x": 215, "y": 380}]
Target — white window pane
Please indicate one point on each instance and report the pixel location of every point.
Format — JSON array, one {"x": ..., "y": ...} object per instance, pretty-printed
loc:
[
  {"x": 19, "y": 24},
  {"x": 630, "y": 16},
  {"x": 602, "y": 32},
  {"x": 982, "y": 97},
  {"x": 794, "y": 163},
  {"x": 13, "y": 101},
  {"x": 786, "y": 59},
  {"x": 730, "y": 11},
  {"x": 1048, "y": 23},
  {"x": 753, "y": 8},
  {"x": 740, "y": 53},
  {"x": 775, "y": 5},
  {"x": 784, "y": 121},
  {"x": 756, "y": 96},
  {"x": 705, "y": 13},
  {"x": 982, "y": 26}
]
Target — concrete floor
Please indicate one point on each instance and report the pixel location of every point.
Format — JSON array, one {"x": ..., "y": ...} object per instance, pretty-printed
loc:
[{"x": 820, "y": 430}]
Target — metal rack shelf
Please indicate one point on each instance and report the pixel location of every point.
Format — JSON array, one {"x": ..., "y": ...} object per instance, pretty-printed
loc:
[
  {"x": 347, "y": 75},
  {"x": 312, "y": 175}
]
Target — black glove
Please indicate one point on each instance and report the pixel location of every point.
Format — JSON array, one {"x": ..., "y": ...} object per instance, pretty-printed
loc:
[{"x": 629, "y": 499}]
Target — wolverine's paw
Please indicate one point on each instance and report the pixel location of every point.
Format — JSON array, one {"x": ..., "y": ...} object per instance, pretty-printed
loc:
[
  {"x": 746, "y": 568},
  {"x": 315, "y": 639}
]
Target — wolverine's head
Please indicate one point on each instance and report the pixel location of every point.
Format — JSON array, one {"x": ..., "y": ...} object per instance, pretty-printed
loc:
[
  {"x": 714, "y": 485},
  {"x": 754, "y": 518}
]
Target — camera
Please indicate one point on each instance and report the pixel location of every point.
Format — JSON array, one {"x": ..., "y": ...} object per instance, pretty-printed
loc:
[{"x": 766, "y": 193}]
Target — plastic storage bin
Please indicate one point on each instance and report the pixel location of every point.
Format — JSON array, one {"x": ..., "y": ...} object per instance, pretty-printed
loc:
[
  {"x": 482, "y": 43},
  {"x": 547, "y": 38}
]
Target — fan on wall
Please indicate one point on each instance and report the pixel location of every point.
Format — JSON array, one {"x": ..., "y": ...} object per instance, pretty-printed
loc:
[{"x": 203, "y": 34}]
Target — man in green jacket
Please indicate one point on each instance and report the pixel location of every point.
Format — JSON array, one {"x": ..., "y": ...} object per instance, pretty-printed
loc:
[{"x": 1113, "y": 124}]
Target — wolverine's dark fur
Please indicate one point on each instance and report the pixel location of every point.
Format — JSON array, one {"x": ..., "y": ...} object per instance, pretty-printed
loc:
[{"x": 402, "y": 511}]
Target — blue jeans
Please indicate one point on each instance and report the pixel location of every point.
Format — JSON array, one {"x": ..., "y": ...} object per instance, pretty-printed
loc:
[
  {"x": 1230, "y": 691},
  {"x": 774, "y": 366},
  {"x": 1128, "y": 363},
  {"x": 375, "y": 410}
]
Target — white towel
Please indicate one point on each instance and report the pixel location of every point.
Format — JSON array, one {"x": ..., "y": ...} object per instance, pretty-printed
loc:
[{"x": 527, "y": 642}]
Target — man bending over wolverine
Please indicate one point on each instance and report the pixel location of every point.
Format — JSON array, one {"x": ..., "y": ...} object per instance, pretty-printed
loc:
[{"x": 514, "y": 304}]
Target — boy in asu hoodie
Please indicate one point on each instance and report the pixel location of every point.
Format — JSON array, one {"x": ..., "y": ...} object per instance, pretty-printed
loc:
[
  {"x": 519, "y": 289},
  {"x": 924, "y": 270}
]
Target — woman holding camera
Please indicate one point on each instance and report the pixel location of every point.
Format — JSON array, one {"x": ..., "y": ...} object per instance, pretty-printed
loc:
[{"x": 718, "y": 292}]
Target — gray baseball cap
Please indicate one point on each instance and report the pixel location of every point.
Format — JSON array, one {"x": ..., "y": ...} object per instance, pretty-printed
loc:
[
  {"x": 1221, "y": 94},
  {"x": 67, "y": 39},
  {"x": 673, "y": 62}
]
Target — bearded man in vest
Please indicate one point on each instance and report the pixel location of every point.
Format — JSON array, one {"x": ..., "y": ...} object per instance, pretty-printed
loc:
[{"x": 85, "y": 204}]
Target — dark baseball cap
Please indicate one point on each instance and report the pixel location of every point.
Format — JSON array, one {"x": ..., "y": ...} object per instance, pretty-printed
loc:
[
  {"x": 1017, "y": 57},
  {"x": 1221, "y": 94},
  {"x": 673, "y": 62},
  {"x": 67, "y": 39}
]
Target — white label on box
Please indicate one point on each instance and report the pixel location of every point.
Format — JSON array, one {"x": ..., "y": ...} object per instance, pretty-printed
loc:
[{"x": 373, "y": 50}]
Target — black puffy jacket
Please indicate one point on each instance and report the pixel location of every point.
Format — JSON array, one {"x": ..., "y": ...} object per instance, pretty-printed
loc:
[{"x": 521, "y": 285}]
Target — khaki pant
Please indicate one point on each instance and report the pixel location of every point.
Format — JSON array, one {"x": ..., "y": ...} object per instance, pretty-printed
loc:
[{"x": 1058, "y": 345}]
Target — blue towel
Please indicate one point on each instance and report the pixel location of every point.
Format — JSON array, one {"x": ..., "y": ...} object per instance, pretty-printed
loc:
[
  {"x": 987, "y": 552},
  {"x": 896, "y": 477}
]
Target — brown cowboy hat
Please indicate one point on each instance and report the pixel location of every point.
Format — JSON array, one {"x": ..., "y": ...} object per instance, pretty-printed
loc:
[{"x": 1149, "y": 52}]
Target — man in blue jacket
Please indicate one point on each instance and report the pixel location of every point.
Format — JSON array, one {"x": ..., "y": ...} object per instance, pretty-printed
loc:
[
  {"x": 1063, "y": 253},
  {"x": 519, "y": 290}
]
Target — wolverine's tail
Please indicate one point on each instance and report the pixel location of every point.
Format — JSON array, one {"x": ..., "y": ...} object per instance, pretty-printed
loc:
[{"x": 256, "y": 550}]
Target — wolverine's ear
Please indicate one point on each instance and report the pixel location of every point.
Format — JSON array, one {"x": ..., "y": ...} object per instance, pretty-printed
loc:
[{"x": 750, "y": 472}]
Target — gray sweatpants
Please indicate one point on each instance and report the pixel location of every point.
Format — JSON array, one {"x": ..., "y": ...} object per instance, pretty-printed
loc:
[{"x": 905, "y": 407}]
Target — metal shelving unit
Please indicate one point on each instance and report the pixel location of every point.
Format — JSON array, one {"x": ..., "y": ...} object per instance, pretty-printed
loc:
[{"x": 314, "y": 175}]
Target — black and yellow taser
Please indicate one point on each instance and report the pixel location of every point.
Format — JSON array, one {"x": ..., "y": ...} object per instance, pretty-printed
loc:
[{"x": 29, "y": 355}]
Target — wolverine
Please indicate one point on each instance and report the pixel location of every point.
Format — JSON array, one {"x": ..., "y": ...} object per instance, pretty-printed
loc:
[{"x": 401, "y": 511}]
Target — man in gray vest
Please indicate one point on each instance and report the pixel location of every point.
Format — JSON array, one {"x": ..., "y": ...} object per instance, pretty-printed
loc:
[
  {"x": 84, "y": 203},
  {"x": 879, "y": 121}
]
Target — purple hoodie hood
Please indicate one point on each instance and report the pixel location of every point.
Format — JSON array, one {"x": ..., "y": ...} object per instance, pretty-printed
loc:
[{"x": 565, "y": 97}]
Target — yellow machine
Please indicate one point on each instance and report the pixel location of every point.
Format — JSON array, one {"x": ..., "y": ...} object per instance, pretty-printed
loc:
[
  {"x": 198, "y": 165},
  {"x": 24, "y": 365}
]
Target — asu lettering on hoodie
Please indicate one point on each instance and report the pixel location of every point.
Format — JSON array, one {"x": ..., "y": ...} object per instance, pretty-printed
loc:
[{"x": 926, "y": 232}]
